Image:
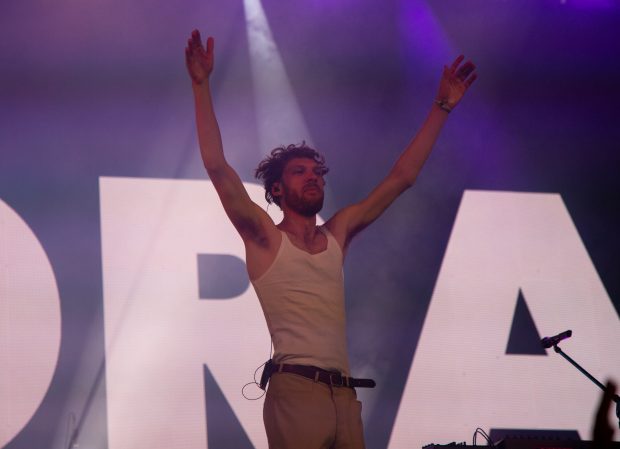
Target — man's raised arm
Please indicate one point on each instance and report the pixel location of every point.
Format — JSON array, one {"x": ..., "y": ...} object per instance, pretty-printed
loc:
[
  {"x": 245, "y": 215},
  {"x": 455, "y": 80}
]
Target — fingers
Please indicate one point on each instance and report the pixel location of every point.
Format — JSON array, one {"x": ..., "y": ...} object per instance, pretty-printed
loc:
[
  {"x": 199, "y": 58},
  {"x": 196, "y": 40},
  {"x": 188, "y": 58},
  {"x": 210, "y": 48},
  {"x": 194, "y": 44},
  {"x": 465, "y": 70},
  {"x": 465, "y": 73},
  {"x": 470, "y": 80},
  {"x": 456, "y": 63}
]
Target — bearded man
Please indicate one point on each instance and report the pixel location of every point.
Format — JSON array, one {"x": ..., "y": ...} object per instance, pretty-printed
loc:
[{"x": 296, "y": 266}]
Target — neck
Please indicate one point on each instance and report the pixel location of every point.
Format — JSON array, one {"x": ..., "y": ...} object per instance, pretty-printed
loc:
[{"x": 298, "y": 225}]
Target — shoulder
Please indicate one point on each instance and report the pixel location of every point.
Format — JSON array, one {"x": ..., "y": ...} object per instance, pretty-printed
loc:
[{"x": 338, "y": 227}]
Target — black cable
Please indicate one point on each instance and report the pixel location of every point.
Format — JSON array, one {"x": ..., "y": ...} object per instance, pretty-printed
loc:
[
  {"x": 255, "y": 382},
  {"x": 481, "y": 431}
]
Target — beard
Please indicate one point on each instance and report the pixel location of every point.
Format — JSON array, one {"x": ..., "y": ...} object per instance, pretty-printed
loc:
[{"x": 308, "y": 207}]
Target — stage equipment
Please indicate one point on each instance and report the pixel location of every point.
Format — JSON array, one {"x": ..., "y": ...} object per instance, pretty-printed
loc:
[
  {"x": 555, "y": 341},
  {"x": 529, "y": 443}
]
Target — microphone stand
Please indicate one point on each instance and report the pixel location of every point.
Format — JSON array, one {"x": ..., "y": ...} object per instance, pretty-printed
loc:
[{"x": 615, "y": 398}]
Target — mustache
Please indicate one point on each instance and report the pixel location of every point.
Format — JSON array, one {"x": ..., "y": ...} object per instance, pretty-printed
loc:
[{"x": 311, "y": 184}]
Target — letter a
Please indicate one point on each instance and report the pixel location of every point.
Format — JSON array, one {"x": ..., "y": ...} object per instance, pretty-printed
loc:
[{"x": 461, "y": 377}]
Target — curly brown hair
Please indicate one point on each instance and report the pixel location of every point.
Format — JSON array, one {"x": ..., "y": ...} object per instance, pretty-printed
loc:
[{"x": 270, "y": 169}]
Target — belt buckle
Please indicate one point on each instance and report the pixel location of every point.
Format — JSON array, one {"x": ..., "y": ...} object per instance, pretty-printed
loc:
[{"x": 331, "y": 380}]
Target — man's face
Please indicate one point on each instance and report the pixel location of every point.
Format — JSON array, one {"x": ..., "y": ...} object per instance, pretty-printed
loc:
[{"x": 302, "y": 186}]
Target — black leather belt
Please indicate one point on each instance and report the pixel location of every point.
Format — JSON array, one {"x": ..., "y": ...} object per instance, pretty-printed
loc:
[{"x": 331, "y": 378}]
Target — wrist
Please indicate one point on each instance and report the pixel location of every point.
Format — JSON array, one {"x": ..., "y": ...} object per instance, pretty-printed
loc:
[
  {"x": 444, "y": 105},
  {"x": 200, "y": 87}
]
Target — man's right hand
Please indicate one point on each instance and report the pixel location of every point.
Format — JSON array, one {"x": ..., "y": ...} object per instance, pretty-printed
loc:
[{"x": 199, "y": 60}]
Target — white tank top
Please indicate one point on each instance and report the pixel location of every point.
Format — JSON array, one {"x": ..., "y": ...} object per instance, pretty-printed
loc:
[{"x": 302, "y": 296}]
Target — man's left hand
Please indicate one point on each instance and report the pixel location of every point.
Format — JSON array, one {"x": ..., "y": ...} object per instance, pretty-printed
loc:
[{"x": 455, "y": 80}]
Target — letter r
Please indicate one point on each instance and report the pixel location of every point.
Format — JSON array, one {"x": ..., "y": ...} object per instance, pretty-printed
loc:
[{"x": 158, "y": 332}]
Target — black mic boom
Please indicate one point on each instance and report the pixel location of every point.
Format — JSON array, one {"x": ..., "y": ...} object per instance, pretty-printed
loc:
[{"x": 547, "y": 342}]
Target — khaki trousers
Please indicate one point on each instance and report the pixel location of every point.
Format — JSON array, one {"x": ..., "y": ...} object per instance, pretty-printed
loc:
[{"x": 302, "y": 414}]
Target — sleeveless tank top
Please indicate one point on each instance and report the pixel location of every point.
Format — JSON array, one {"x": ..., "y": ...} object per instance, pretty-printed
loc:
[{"x": 302, "y": 297}]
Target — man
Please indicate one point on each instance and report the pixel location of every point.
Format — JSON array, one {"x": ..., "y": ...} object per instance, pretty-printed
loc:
[{"x": 296, "y": 266}]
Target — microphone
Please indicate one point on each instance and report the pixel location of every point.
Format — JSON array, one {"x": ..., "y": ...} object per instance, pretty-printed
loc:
[{"x": 547, "y": 342}]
